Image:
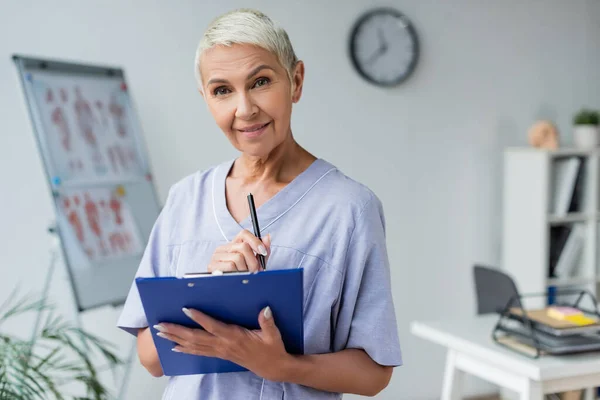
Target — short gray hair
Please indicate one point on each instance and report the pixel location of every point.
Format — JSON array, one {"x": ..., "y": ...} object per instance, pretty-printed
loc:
[{"x": 247, "y": 26}]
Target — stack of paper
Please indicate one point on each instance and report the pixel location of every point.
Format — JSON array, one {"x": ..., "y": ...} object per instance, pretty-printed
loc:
[{"x": 570, "y": 314}]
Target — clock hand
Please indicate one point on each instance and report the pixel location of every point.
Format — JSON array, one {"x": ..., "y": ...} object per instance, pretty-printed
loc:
[
  {"x": 378, "y": 53},
  {"x": 381, "y": 50},
  {"x": 384, "y": 44}
]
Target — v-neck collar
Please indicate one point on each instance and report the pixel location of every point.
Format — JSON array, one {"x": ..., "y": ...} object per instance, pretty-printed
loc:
[{"x": 273, "y": 208}]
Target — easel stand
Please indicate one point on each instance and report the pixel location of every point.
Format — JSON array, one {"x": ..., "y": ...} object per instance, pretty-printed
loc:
[{"x": 55, "y": 256}]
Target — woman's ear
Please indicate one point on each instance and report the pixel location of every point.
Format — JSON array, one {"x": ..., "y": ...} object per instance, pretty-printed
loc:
[{"x": 297, "y": 81}]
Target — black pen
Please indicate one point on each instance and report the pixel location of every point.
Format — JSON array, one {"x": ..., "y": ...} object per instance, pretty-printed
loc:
[{"x": 261, "y": 258}]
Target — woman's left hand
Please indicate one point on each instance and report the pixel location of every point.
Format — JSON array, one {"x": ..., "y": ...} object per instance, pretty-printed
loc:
[{"x": 260, "y": 351}]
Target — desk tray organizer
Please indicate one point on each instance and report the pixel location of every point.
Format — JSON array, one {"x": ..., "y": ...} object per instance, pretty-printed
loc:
[{"x": 533, "y": 333}]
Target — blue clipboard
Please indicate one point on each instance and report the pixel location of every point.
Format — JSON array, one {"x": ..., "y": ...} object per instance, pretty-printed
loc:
[{"x": 231, "y": 298}]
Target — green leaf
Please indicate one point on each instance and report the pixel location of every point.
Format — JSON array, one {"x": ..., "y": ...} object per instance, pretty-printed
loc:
[
  {"x": 17, "y": 306},
  {"x": 60, "y": 354},
  {"x": 586, "y": 117}
]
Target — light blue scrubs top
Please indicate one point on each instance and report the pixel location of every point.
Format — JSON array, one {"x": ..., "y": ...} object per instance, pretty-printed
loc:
[{"x": 322, "y": 221}]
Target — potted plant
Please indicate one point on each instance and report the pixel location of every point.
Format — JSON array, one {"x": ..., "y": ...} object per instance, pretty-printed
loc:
[
  {"x": 55, "y": 362},
  {"x": 586, "y": 133}
]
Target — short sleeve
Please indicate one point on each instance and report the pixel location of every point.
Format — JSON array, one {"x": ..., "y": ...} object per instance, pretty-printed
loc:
[
  {"x": 366, "y": 316},
  {"x": 155, "y": 262}
]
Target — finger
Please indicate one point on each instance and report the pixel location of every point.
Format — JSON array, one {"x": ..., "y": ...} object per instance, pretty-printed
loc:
[
  {"x": 211, "y": 325},
  {"x": 267, "y": 323},
  {"x": 178, "y": 330},
  {"x": 223, "y": 248},
  {"x": 236, "y": 260},
  {"x": 225, "y": 266},
  {"x": 184, "y": 334},
  {"x": 183, "y": 346},
  {"x": 249, "y": 255},
  {"x": 267, "y": 241},
  {"x": 206, "y": 351},
  {"x": 174, "y": 339},
  {"x": 254, "y": 242},
  {"x": 174, "y": 330},
  {"x": 221, "y": 262}
]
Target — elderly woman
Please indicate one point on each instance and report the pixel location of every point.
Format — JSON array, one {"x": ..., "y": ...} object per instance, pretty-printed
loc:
[{"x": 249, "y": 76}]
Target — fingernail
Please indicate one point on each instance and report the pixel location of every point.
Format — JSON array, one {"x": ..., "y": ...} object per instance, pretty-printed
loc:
[
  {"x": 262, "y": 250},
  {"x": 187, "y": 312},
  {"x": 268, "y": 314},
  {"x": 162, "y": 335},
  {"x": 176, "y": 350},
  {"x": 160, "y": 328}
]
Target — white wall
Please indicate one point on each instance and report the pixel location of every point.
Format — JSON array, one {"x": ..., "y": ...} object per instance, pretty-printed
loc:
[{"x": 430, "y": 149}]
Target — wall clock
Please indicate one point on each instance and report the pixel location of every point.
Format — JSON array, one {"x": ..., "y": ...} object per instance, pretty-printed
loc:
[{"x": 384, "y": 47}]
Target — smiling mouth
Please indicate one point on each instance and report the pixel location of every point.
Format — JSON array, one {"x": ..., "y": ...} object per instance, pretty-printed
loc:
[
  {"x": 254, "y": 128},
  {"x": 254, "y": 131}
]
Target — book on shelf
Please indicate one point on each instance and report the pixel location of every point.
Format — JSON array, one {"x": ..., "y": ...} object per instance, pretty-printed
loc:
[
  {"x": 567, "y": 239},
  {"x": 576, "y": 204},
  {"x": 566, "y": 172},
  {"x": 558, "y": 238},
  {"x": 569, "y": 244}
]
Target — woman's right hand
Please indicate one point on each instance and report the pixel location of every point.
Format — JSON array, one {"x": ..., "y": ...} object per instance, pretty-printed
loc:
[{"x": 240, "y": 253}]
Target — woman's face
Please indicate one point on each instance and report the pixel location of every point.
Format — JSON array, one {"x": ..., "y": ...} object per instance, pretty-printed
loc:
[{"x": 250, "y": 96}]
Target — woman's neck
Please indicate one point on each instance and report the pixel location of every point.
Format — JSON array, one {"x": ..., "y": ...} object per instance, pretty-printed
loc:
[{"x": 282, "y": 165}]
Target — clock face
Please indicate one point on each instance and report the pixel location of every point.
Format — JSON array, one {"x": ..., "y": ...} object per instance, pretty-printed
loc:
[{"x": 384, "y": 47}]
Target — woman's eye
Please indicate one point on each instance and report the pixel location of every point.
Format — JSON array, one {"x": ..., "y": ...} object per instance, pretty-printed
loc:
[
  {"x": 261, "y": 82},
  {"x": 221, "y": 90}
]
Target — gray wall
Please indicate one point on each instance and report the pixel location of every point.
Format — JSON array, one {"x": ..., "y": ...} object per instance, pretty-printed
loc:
[{"x": 430, "y": 149}]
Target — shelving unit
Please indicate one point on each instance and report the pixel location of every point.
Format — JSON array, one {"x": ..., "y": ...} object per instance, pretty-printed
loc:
[{"x": 528, "y": 192}]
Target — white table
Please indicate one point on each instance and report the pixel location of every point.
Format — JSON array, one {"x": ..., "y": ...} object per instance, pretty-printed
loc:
[{"x": 471, "y": 350}]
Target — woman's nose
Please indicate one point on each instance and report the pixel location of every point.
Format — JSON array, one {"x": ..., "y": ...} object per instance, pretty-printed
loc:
[{"x": 246, "y": 108}]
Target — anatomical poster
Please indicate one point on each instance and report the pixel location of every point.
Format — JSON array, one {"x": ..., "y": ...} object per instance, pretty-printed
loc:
[
  {"x": 88, "y": 134},
  {"x": 101, "y": 223}
]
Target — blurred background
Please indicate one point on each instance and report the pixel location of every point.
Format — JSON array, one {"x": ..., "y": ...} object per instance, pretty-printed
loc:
[{"x": 431, "y": 148}]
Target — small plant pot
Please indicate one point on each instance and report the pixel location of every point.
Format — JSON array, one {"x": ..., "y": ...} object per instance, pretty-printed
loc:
[{"x": 586, "y": 136}]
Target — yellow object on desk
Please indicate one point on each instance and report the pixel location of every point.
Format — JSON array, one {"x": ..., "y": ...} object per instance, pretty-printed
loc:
[
  {"x": 580, "y": 320},
  {"x": 562, "y": 313}
]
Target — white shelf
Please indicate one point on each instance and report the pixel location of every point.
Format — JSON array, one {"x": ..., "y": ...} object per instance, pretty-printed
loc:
[
  {"x": 571, "y": 281},
  {"x": 571, "y": 217},
  {"x": 561, "y": 152},
  {"x": 527, "y": 189}
]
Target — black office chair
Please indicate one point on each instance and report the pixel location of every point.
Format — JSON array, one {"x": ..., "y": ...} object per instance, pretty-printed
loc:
[{"x": 494, "y": 289}]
